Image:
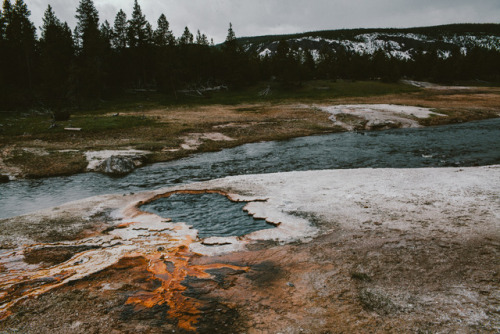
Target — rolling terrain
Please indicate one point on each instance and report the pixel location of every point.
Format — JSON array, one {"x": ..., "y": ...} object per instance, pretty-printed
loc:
[{"x": 402, "y": 44}]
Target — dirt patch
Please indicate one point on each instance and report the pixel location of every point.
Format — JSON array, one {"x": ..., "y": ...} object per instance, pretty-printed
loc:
[{"x": 50, "y": 256}]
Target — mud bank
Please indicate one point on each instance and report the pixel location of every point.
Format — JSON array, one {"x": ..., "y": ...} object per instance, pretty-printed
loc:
[{"x": 368, "y": 250}]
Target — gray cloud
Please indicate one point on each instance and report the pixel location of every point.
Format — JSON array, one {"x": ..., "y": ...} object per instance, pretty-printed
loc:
[{"x": 263, "y": 17}]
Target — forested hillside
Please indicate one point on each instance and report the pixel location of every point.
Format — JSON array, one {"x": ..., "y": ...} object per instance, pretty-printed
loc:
[
  {"x": 441, "y": 53},
  {"x": 60, "y": 66}
]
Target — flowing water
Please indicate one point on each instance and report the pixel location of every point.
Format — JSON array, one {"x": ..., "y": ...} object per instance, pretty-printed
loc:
[{"x": 467, "y": 144}]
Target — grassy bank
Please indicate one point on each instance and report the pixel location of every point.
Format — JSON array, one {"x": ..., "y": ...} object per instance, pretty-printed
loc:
[{"x": 32, "y": 145}]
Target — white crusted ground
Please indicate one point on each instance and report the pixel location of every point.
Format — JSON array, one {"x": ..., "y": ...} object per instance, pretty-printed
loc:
[
  {"x": 428, "y": 201},
  {"x": 380, "y": 114}
]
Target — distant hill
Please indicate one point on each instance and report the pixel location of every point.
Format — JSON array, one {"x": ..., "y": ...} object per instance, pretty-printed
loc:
[{"x": 398, "y": 43}]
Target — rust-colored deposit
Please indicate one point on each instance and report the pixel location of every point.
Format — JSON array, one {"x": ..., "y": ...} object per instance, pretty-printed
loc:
[
  {"x": 171, "y": 268},
  {"x": 31, "y": 271}
]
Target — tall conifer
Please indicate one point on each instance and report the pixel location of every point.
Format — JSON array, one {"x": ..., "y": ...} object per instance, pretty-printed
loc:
[
  {"x": 56, "y": 55},
  {"x": 186, "y": 38},
  {"x": 137, "y": 28},
  {"x": 120, "y": 30},
  {"x": 163, "y": 35}
]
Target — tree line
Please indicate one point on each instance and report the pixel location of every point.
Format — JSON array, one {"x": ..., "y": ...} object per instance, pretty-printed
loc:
[
  {"x": 291, "y": 64},
  {"x": 98, "y": 60}
]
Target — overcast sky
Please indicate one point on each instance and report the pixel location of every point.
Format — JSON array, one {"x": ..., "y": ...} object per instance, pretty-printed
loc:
[{"x": 269, "y": 17}]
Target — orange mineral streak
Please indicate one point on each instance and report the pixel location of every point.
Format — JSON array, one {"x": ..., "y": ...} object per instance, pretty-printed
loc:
[
  {"x": 5, "y": 315},
  {"x": 125, "y": 225},
  {"x": 168, "y": 265},
  {"x": 171, "y": 268},
  {"x": 16, "y": 290}
]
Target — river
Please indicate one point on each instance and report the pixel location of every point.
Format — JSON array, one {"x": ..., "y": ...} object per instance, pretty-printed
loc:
[{"x": 466, "y": 144}]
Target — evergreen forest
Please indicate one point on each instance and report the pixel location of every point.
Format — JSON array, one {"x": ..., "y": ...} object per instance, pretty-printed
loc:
[{"x": 59, "y": 67}]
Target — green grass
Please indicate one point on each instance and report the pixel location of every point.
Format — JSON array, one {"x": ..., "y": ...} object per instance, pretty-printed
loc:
[
  {"x": 97, "y": 120},
  {"x": 311, "y": 90},
  {"x": 308, "y": 90},
  {"x": 107, "y": 123},
  {"x": 35, "y": 124}
]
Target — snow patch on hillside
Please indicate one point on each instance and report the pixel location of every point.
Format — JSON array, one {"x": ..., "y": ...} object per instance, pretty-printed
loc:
[
  {"x": 266, "y": 52},
  {"x": 398, "y": 45}
]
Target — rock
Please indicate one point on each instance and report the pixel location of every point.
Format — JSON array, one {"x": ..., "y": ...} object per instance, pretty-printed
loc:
[
  {"x": 378, "y": 301},
  {"x": 118, "y": 165},
  {"x": 4, "y": 178}
]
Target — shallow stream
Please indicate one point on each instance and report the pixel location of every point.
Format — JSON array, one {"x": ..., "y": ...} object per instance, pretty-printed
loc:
[{"x": 467, "y": 144}]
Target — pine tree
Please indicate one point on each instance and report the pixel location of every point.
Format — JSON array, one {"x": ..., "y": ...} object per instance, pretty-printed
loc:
[
  {"x": 309, "y": 65},
  {"x": 18, "y": 53},
  {"x": 137, "y": 28},
  {"x": 5, "y": 18},
  {"x": 186, "y": 38},
  {"x": 5, "y": 14},
  {"x": 148, "y": 34},
  {"x": 231, "y": 36},
  {"x": 282, "y": 61},
  {"x": 50, "y": 22},
  {"x": 87, "y": 28},
  {"x": 120, "y": 30},
  {"x": 3, "y": 22},
  {"x": 234, "y": 65},
  {"x": 106, "y": 33},
  {"x": 162, "y": 35},
  {"x": 56, "y": 55},
  {"x": 230, "y": 44},
  {"x": 120, "y": 59},
  {"x": 87, "y": 77},
  {"x": 201, "y": 39},
  {"x": 140, "y": 56}
]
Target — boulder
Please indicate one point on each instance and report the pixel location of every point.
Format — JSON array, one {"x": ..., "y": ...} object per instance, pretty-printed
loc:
[
  {"x": 119, "y": 165},
  {"x": 4, "y": 178}
]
